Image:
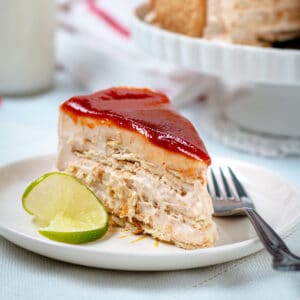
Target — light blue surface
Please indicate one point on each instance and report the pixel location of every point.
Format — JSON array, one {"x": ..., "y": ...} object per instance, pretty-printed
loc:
[{"x": 27, "y": 128}]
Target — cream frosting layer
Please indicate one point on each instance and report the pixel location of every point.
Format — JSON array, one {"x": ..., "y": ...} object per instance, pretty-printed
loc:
[{"x": 162, "y": 194}]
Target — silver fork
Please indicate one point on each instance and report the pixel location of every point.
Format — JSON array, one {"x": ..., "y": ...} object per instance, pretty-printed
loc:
[{"x": 230, "y": 198}]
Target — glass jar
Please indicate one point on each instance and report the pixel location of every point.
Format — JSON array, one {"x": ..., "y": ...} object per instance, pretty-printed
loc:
[{"x": 26, "y": 46}]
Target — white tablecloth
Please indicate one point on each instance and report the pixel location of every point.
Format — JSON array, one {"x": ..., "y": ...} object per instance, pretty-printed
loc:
[{"x": 27, "y": 128}]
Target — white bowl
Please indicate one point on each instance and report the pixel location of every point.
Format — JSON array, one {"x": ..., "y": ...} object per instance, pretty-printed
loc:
[{"x": 217, "y": 58}]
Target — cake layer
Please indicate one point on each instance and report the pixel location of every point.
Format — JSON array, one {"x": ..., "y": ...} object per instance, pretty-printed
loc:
[
  {"x": 258, "y": 22},
  {"x": 144, "y": 161},
  {"x": 143, "y": 111},
  {"x": 139, "y": 188},
  {"x": 84, "y": 133}
]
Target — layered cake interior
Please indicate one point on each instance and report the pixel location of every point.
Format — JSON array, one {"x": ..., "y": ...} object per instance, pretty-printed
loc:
[
  {"x": 252, "y": 22},
  {"x": 144, "y": 161}
]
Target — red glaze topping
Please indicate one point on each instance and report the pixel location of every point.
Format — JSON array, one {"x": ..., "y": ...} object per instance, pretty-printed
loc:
[{"x": 147, "y": 112}]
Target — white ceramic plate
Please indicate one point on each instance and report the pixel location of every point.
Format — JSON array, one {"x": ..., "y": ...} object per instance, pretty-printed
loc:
[
  {"x": 217, "y": 58},
  {"x": 276, "y": 200}
]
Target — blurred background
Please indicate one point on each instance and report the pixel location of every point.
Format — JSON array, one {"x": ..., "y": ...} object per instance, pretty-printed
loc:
[{"x": 243, "y": 99}]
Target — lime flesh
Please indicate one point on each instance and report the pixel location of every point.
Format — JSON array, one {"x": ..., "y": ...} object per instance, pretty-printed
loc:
[{"x": 65, "y": 209}]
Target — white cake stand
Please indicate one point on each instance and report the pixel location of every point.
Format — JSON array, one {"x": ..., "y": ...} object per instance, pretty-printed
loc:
[{"x": 268, "y": 106}]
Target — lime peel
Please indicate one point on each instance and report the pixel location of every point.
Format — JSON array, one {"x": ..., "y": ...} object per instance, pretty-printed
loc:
[{"x": 69, "y": 211}]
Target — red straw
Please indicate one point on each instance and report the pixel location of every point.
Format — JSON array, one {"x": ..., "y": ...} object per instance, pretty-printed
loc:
[{"x": 107, "y": 18}]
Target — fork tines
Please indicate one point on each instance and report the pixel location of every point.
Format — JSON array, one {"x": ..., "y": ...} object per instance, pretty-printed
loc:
[{"x": 230, "y": 187}]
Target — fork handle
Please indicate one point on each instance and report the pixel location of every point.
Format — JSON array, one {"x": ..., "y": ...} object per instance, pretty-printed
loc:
[{"x": 283, "y": 258}]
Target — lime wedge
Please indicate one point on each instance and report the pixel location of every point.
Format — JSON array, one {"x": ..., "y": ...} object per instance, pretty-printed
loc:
[{"x": 65, "y": 209}]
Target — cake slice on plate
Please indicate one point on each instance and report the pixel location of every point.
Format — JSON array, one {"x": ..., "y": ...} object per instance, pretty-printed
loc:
[{"x": 143, "y": 160}]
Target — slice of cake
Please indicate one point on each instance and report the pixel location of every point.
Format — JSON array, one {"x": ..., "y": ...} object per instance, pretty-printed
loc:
[
  {"x": 261, "y": 22},
  {"x": 143, "y": 160},
  {"x": 252, "y": 22}
]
